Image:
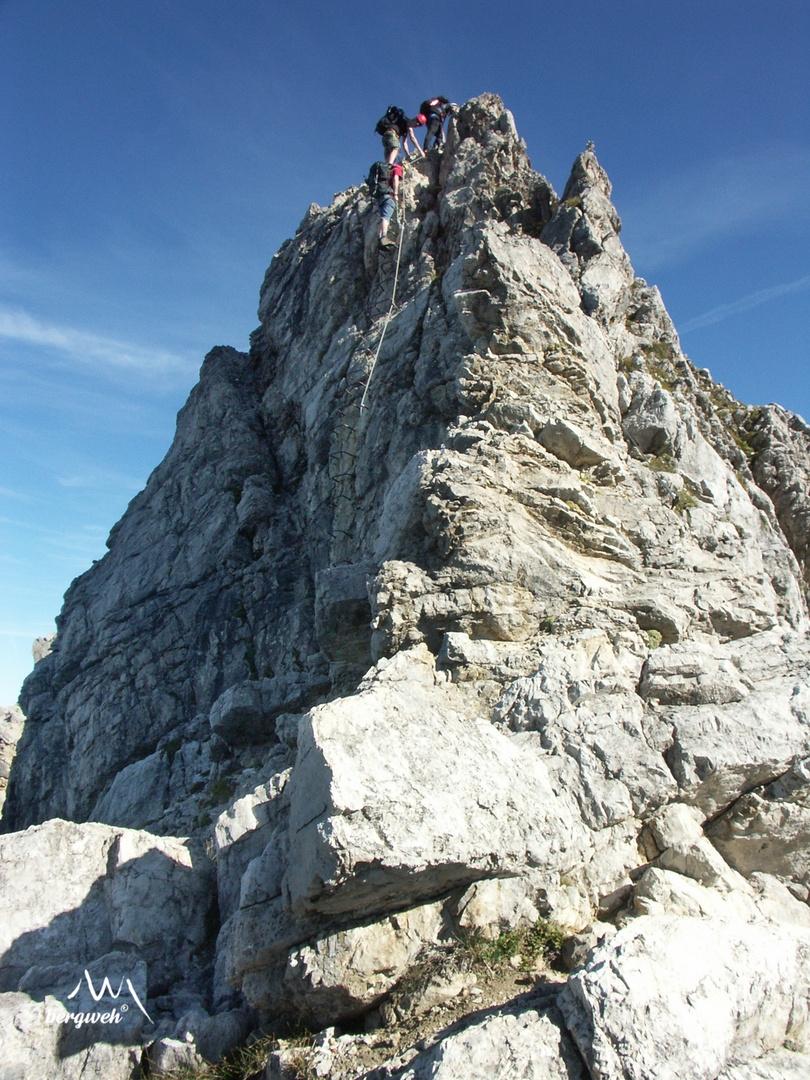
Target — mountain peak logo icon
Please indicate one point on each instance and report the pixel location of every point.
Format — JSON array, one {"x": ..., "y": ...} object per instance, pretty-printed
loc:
[{"x": 107, "y": 990}]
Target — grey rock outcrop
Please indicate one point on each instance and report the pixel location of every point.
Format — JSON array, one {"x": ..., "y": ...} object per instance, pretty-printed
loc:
[
  {"x": 105, "y": 933},
  {"x": 501, "y": 474},
  {"x": 11, "y": 725},
  {"x": 432, "y": 625},
  {"x": 118, "y": 887},
  {"x": 780, "y": 445}
]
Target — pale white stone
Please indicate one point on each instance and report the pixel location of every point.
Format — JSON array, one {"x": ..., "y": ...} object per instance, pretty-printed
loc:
[{"x": 680, "y": 998}]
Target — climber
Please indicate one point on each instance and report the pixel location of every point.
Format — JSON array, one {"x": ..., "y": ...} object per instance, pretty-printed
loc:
[
  {"x": 383, "y": 185},
  {"x": 434, "y": 110},
  {"x": 394, "y": 126}
]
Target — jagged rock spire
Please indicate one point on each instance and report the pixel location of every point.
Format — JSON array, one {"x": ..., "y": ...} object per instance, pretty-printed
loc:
[{"x": 584, "y": 233}]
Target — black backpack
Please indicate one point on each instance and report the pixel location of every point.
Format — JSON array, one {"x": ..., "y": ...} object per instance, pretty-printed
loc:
[
  {"x": 441, "y": 108},
  {"x": 379, "y": 180},
  {"x": 394, "y": 118}
]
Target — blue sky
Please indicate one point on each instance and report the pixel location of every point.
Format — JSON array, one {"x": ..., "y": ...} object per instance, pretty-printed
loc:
[{"x": 158, "y": 152}]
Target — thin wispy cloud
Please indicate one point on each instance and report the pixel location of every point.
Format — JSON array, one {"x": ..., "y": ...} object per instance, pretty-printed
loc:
[
  {"x": 25, "y": 635},
  {"x": 746, "y": 303},
  {"x": 719, "y": 198},
  {"x": 12, "y": 493},
  {"x": 100, "y": 480},
  {"x": 94, "y": 351}
]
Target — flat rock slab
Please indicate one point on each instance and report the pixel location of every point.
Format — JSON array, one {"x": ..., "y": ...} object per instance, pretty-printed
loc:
[{"x": 395, "y": 795}]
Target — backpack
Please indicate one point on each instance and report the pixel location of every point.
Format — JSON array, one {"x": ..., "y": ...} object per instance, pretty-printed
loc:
[
  {"x": 439, "y": 106},
  {"x": 394, "y": 118},
  {"x": 379, "y": 180}
]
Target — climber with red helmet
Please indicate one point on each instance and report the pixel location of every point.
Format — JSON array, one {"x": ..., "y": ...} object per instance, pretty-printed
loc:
[{"x": 433, "y": 112}]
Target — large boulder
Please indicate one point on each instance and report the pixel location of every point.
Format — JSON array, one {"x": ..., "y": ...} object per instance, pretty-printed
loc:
[
  {"x": 686, "y": 998},
  {"x": 71, "y": 892}
]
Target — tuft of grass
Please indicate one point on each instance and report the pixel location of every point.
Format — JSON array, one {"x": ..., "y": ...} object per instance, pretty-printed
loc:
[
  {"x": 299, "y": 1065},
  {"x": 663, "y": 463},
  {"x": 244, "y": 1063},
  {"x": 219, "y": 791},
  {"x": 743, "y": 444},
  {"x": 662, "y": 350},
  {"x": 664, "y": 377},
  {"x": 684, "y": 502},
  {"x": 541, "y": 942}
]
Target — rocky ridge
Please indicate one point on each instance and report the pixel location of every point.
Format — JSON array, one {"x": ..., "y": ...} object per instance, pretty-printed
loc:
[{"x": 520, "y": 637}]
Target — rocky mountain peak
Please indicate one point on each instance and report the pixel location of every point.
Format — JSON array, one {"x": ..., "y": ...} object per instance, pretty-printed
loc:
[
  {"x": 462, "y": 599},
  {"x": 587, "y": 175},
  {"x": 532, "y": 447}
]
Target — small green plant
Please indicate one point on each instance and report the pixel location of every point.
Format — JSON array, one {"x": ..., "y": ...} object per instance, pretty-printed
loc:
[
  {"x": 218, "y": 791},
  {"x": 663, "y": 463},
  {"x": 662, "y": 350},
  {"x": 684, "y": 502},
  {"x": 654, "y": 638},
  {"x": 541, "y": 942},
  {"x": 494, "y": 953},
  {"x": 244, "y": 1063}
]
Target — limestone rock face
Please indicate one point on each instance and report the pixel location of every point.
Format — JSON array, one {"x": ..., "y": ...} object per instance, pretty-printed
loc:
[
  {"x": 11, "y": 725},
  {"x": 438, "y": 618},
  {"x": 781, "y": 466}
]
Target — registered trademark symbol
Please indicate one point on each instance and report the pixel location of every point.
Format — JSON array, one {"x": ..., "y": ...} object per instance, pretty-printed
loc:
[{"x": 124, "y": 1007}]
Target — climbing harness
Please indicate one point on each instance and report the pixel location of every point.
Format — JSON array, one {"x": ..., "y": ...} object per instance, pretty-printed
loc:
[{"x": 391, "y": 307}]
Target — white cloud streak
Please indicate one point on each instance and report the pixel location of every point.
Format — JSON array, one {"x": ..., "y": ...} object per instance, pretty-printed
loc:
[
  {"x": 99, "y": 479},
  {"x": 746, "y": 303},
  {"x": 104, "y": 355},
  {"x": 13, "y": 493},
  {"x": 725, "y": 197}
]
